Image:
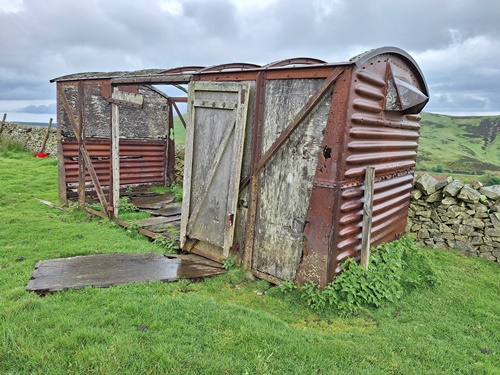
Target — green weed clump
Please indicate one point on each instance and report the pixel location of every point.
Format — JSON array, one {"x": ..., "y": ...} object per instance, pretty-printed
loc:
[
  {"x": 126, "y": 206},
  {"x": 490, "y": 180},
  {"x": 174, "y": 188},
  {"x": 10, "y": 148},
  {"x": 396, "y": 268},
  {"x": 168, "y": 241},
  {"x": 177, "y": 190}
]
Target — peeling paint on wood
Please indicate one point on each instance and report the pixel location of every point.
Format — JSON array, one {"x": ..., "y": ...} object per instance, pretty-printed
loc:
[{"x": 286, "y": 181}]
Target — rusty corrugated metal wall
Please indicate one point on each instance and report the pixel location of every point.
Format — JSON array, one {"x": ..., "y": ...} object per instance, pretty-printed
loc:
[
  {"x": 141, "y": 162},
  {"x": 386, "y": 140},
  {"x": 366, "y": 133}
]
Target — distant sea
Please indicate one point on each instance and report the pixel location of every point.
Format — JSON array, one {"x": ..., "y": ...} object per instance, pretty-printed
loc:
[{"x": 44, "y": 124}]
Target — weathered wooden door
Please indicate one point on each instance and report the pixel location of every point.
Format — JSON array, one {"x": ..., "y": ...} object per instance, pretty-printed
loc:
[{"x": 214, "y": 148}]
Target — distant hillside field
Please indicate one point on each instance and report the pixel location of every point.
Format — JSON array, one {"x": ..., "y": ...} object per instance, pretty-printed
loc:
[
  {"x": 465, "y": 145},
  {"x": 179, "y": 131}
]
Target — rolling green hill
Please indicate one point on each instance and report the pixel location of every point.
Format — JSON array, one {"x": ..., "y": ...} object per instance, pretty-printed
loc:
[
  {"x": 465, "y": 145},
  {"x": 461, "y": 145}
]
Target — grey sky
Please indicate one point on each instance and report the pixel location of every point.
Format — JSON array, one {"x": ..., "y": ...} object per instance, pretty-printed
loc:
[{"x": 455, "y": 42}]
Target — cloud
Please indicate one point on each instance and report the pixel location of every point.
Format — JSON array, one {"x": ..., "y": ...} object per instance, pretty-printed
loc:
[
  {"x": 455, "y": 42},
  {"x": 39, "y": 109},
  {"x": 463, "y": 76}
]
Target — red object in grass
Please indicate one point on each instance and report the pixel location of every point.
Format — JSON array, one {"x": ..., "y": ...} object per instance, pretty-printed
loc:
[{"x": 41, "y": 155}]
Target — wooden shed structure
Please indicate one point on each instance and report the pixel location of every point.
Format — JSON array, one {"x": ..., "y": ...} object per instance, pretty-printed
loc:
[
  {"x": 113, "y": 137},
  {"x": 276, "y": 158}
]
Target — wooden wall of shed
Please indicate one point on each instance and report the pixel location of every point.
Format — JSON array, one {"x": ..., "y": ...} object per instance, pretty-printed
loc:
[
  {"x": 286, "y": 182},
  {"x": 150, "y": 122}
]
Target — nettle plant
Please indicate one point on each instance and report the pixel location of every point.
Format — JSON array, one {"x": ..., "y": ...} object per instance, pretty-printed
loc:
[{"x": 396, "y": 268}]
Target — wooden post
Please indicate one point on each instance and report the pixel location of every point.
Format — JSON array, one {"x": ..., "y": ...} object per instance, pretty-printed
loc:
[
  {"x": 3, "y": 122},
  {"x": 46, "y": 137},
  {"x": 115, "y": 156},
  {"x": 170, "y": 143},
  {"x": 367, "y": 217},
  {"x": 81, "y": 144}
]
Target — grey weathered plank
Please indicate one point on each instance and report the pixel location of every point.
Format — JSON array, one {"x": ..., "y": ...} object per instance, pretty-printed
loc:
[
  {"x": 154, "y": 202},
  {"x": 173, "y": 210},
  {"x": 286, "y": 181},
  {"x": 115, "y": 154},
  {"x": 103, "y": 270},
  {"x": 214, "y": 146},
  {"x": 367, "y": 216},
  {"x": 150, "y": 221}
]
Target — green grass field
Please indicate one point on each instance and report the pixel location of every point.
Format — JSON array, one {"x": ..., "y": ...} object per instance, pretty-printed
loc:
[
  {"x": 461, "y": 145},
  {"x": 179, "y": 131},
  {"x": 230, "y": 324}
]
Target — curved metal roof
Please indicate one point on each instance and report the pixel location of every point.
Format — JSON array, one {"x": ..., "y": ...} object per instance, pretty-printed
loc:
[
  {"x": 183, "y": 74},
  {"x": 230, "y": 66},
  {"x": 367, "y": 55},
  {"x": 294, "y": 61}
]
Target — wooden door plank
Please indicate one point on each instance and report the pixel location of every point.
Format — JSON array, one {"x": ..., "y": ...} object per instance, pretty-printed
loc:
[
  {"x": 188, "y": 166},
  {"x": 238, "y": 148},
  {"x": 81, "y": 160},
  {"x": 115, "y": 156},
  {"x": 367, "y": 217},
  {"x": 204, "y": 190},
  {"x": 190, "y": 214}
]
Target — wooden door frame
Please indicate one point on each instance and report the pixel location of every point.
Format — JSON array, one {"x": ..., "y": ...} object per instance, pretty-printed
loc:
[{"x": 242, "y": 91}]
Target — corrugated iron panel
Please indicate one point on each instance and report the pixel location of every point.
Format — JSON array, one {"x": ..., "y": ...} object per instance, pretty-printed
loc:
[
  {"x": 390, "y": 204},
  {"x": 141, "y": 161},
  {"x": 376, "y": 138},
  {"x": 389, "y": 145}
]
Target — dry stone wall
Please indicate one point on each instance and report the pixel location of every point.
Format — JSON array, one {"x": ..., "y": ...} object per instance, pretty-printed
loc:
[
  {"x": 31, "y": 137},
  {"x": 453, "y": 215}
]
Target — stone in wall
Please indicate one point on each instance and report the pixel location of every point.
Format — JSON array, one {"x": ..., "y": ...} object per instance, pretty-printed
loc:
[
  {"x": 31, "y": 137},
  {"x": 454, "y": 215}
]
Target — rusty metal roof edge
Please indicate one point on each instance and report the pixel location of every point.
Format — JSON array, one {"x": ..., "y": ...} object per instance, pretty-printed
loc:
[
  {"x": 362, "y": 58},
  {"x": 133, "y": 77},
  {"x": 163, "y": 75},
  {"x": 274, "y": 68},
  {"x": 83, "y": 76}
]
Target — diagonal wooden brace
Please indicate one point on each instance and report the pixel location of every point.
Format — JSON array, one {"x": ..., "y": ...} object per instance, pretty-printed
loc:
[
  {"x": 84, "y": 152},
  {"x": 297, "y": 120}
]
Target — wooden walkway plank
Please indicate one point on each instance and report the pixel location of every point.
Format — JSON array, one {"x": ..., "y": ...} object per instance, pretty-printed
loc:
[{"x": 104, "y": 270}]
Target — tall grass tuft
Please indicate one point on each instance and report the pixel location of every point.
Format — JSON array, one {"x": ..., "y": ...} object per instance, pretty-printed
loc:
[{"x": 10, "y": 148}]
